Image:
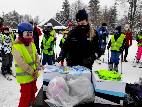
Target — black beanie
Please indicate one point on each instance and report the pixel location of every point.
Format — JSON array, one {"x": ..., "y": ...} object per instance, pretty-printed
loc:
[{"x": 81, "y": 15}]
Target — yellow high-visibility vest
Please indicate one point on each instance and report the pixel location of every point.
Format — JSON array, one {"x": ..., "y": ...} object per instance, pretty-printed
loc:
[
  {"x": 22, "y": 76},
  {"x": 115, "y": 45}
]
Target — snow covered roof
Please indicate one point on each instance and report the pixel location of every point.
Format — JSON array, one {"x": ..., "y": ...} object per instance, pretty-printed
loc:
[
  {"x": 59, "y": 27},
  {"x": 53, "y": 21}
]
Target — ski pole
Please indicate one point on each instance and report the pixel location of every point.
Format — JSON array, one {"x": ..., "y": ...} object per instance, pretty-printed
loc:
[
  {"x": 108, "y": 56},
  {"x": 121, "y": 61}
]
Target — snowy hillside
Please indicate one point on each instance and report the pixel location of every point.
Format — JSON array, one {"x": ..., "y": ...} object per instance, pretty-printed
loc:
[{"x": 10, "y": 90}]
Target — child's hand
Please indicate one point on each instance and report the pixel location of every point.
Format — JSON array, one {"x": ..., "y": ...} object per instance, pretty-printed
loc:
[{"x": 35, "y": 75}]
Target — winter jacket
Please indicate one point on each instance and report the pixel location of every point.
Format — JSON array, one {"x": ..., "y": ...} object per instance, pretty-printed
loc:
[
  {"x": 128, "y": 38},
  {"x": 7, "y": 43},
  {"x": 79, "y": 50},
  {"x": 102, "y": 34}
]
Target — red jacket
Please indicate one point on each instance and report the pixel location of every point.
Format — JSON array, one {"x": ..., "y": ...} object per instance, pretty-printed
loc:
[
  {"x": 38, "y": 31},
  {"x": 128, "y": 38}
]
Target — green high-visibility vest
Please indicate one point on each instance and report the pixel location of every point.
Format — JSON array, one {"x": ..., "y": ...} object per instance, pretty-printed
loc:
[
  {"x": 22, "y": 76},
  {"x": 115, "y": 45},
  {"x": 53, "y": 32},
  {"x": 48, "y": 43},
  {"x": 139, "y": 37}
]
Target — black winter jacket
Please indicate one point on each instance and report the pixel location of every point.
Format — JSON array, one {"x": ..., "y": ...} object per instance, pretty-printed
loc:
[{"x": 79, "y": 50}]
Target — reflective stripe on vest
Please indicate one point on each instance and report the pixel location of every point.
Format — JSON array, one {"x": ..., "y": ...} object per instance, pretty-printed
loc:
[
  {"x": 115, "y": 45},
  {"x": 31, "y": 64},
  {"x": 21, "y": 75}
]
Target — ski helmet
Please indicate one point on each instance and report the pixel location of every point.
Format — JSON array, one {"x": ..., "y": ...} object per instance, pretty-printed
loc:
[
  {"x": 49, "y": 24},
  {"x": 24, "y": 26}
]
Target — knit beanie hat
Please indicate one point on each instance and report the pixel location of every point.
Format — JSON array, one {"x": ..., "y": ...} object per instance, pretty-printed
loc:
[{"x": 81, "y": 15}]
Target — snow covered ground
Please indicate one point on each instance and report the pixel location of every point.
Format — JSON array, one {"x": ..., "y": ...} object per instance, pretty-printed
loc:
[{"x": 10, "y": 90}]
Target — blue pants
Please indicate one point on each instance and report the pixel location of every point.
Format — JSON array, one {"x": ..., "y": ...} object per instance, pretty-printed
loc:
[
  {"x": 115, "y": 57},
  {"x": 50, "y": 59}
]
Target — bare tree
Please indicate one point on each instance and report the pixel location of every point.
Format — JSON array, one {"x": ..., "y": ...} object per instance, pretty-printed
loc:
[{"x": 77, "y": 5}]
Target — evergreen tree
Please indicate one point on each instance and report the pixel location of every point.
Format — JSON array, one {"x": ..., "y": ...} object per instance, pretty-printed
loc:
[
  {"x": 66, "y": 11},
  {"x": 77, "y": 5}
]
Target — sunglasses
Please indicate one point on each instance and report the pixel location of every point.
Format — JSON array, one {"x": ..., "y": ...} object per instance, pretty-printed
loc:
[{"x": 28, "y": 33}]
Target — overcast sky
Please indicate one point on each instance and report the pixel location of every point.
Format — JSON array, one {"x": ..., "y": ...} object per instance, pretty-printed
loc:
[{"x": 45, "y": 9}]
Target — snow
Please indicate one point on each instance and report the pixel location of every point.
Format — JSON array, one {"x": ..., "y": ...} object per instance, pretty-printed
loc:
[{"x": 10, "y": 90}]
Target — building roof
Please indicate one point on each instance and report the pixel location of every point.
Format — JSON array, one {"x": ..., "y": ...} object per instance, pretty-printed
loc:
[{"x": 53, "y": 21}]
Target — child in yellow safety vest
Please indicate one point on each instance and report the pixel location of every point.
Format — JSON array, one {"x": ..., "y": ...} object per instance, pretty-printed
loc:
[
  {"x": 117, "y": 43},
  {"x": 27, "y": 64},
  {"x": 47, "y": 45}
]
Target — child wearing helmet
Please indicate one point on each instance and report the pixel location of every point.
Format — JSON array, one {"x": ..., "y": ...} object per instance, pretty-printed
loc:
[
  {"x": 47, "y": 45},
  {"x": 27, "y": 64}
]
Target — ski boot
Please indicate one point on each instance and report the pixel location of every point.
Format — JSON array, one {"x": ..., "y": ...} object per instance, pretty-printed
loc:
[
  {"x": 115, "y": 67},
  {"x": 136, "y": 63},
  {"x": 110, "y": 66}
]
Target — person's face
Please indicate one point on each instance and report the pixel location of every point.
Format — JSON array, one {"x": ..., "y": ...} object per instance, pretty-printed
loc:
[
  {"x": 83, "y": 22},
  {"x": 105, "y": 27},
  {"x": 28, "y": 34},
  {"x": 49, "y": 28}
]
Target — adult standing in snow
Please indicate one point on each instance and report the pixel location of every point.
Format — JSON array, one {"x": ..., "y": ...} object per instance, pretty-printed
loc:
[
  {"x": 36, "y": 34},
  {"x": 81, "y": 45},
  {"x": 128, "y": 37},
  {"x": 6, "y": 51},
  {"x": 139, "y": 43},
  {"x": 47, "y": 44},
  {"x": 117, "y": 43},
  {"x": 102, "y": 33},
  {"x": 26, "y": 63}
]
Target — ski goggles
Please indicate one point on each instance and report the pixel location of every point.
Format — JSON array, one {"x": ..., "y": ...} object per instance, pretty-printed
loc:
[{"x": 28, "y": 33}]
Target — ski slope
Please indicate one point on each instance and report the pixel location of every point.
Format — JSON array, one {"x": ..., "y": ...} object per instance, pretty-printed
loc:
[{"x": 10, "y": 90}]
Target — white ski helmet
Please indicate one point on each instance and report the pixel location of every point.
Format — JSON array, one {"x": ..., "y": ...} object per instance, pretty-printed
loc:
[{"x": 49, "y": 24}]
